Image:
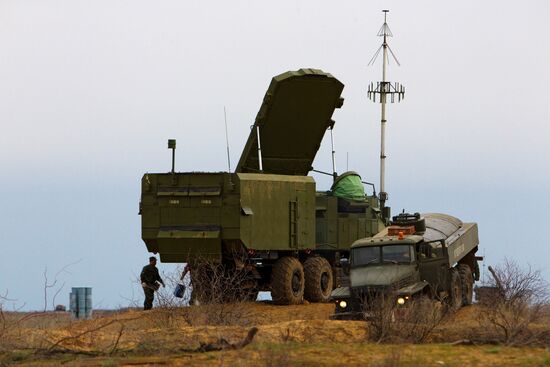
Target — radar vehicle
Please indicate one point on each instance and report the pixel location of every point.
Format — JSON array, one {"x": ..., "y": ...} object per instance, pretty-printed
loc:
[{"x": 266, "y": 219}]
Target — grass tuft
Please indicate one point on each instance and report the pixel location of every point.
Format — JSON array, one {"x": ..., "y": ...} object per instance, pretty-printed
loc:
[
  {"x": 19, "y": 356},
  {"x": 109, "y": 363}
]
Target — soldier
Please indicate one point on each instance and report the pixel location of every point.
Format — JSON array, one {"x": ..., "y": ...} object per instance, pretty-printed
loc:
[{"x": 150, "y": 281}]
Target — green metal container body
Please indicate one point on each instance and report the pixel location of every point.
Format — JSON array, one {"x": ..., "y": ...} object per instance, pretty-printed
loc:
[
  {"x": 195, "y": 215},
  {"x": 338, "y": 226},
  {"x": 279, "y": 211},
  {"x": 199, "y": 215}
]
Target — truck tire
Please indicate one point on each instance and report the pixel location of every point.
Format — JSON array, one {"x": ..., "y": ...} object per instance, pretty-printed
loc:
[
  {"x": 467, "y": 280},
  {"x": 287, "y": 281},
  {"x": 319, "y": 280},
  {"x": 455, "y": 292}
]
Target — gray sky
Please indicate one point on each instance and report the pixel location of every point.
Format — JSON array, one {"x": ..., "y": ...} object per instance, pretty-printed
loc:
[{"x": 90, "y": 91}]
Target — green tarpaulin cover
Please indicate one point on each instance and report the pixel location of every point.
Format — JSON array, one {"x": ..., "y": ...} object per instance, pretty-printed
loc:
[{"x": 349, "y": 186}]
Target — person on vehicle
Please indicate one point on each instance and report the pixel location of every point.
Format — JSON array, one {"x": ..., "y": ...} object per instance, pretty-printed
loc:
[{"x": 150, "y": 281}]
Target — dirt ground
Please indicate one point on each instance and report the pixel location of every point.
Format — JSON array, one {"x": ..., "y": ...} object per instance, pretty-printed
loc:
[{"x": 301, "y": 335}]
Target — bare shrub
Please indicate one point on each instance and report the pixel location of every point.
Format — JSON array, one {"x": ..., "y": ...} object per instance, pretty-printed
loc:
[
  {"x": 169, "y": 311},
  {"x": 99, "y": 337},
  {"x": 413, "y": 322},
  {"x": 54, "y": 283},
  {"x": 10, "y": 325},
  {"x": 379, "y": 311},
  {"x": 4, "y": 325},
  {"x": 215, "y": 296},
  {"x": 515, "y": 314},
  {"x": 220, "y": 290}
]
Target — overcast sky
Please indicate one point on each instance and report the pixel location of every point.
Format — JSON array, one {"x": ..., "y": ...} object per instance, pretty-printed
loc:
[{"x": 91, "y": 90}]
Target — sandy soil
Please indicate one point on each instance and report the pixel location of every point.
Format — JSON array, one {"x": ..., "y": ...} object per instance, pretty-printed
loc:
[{"x": 287, "y": 335}]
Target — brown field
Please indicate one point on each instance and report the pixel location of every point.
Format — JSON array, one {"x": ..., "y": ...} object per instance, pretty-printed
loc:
[{"x": 299, "y": 335}]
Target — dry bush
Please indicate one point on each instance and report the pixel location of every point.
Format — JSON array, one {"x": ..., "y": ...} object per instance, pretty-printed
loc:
[
  {"x": 412, "y": 323},
  {"x": 169, "y": 310},
  {"x": 11, "y": 331},
  {"x": 86, "y": 338},
  {"x": 215, "y": 296},
  {"x": 517, "y": 314},
  {"x": 4, "y": 325},
  {"x": 220, "y": 291}
]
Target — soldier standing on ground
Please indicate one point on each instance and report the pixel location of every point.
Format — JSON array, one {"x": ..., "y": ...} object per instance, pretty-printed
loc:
[{"x": 150, "y": 281}]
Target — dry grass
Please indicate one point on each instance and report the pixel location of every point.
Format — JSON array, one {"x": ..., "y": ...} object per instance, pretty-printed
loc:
[{"x": 287, "y": 335}]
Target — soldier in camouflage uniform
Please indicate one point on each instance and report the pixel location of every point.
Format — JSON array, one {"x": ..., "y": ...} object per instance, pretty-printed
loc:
[{"x": 150, "y": 281}]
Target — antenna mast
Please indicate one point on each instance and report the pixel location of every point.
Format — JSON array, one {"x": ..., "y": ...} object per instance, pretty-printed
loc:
[
  {"x": 334, "y": 174},
  {"x": 227, "y": 141},
  {"x": 387, "y": 92}
]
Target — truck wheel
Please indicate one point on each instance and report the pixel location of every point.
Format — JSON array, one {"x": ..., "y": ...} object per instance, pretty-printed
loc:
[
  {"x": 319, "y": 279},
  {"x": 467, "y": 280},
  {"x": 455, "y": 293},
  {"x": 287, "y": 281}
]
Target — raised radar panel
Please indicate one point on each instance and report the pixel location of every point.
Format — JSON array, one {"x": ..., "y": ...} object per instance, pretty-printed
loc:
[{"x": 295, "y": 113}]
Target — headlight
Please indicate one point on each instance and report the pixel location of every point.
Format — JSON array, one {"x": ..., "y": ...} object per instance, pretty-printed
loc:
[
  {"x": 343, "y": 304},
  {"x": 401, "y": 301}
]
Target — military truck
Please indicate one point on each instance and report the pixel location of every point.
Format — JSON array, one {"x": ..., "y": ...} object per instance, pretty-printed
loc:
[
  {"x": 266, "y": 218},
  {"x": 417, "y": 255}
]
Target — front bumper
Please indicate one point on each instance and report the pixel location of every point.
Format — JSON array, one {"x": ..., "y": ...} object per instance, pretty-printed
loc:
[
  {"x": 347, "y": 316},
  {"x": 351, "y": 311}
]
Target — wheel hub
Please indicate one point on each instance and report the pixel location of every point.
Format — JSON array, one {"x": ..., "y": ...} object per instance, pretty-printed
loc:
[
  {"x": 296, "y": 282},
  {"x": 324, "y": 282}
]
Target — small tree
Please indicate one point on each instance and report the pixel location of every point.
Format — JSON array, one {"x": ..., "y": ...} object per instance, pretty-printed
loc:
[
  {"x": 412, "y": 322},
  {"x": 215, "y": 294},
  {"x": 519, "y": 302},
  {"x": 54, "y": 283}
]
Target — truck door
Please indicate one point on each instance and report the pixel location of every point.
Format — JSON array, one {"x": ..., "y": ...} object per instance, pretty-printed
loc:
[{"x": 433, "y": 266}]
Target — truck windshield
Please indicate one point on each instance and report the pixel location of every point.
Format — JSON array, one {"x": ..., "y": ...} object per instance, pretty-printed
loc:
[
  {"x": 365, "y": 256},
  {"x": 395, "y": 254}
]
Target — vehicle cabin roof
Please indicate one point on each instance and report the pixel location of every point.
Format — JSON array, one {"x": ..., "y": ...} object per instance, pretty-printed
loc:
[
  {"x": 438, "y": 228},
  {"x": 388, "y": 240}
]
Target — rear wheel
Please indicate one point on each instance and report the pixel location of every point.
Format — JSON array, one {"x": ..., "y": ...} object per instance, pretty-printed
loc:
[
  {"x": 455, "y": 293},
  {"x": 319, "y": 280},
  {"x": 467, "y": 280},
  {"x": 287, "y": 281}
]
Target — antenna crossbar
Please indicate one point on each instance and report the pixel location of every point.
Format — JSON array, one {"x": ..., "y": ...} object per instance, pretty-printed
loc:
[{"x": 385, "y": 91}]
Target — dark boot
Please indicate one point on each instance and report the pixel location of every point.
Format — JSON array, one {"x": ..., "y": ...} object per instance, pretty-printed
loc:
[{"x": 149, "y": 297}]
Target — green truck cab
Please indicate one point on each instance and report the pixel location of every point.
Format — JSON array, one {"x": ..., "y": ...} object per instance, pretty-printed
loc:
[
  {"x": 267, "y": 218},
  {"x": 418, "y": 255}
]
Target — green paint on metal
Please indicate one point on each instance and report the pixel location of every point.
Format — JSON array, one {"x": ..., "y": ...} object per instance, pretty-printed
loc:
[
  {"x": 349, "y": 186},
  {"x": 293, "y": 118}
]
